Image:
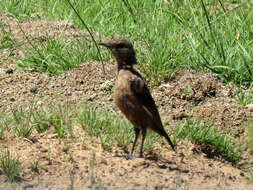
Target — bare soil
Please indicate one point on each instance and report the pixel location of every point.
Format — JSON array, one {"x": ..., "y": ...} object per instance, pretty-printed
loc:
[{"x": 80, "y": 162}]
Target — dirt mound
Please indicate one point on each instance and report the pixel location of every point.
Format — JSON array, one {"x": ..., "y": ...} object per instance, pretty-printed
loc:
[
  {"x": 195, "y": 86},
  {"x": 84, "y": 83},
  {"x": 224, "y": 114}
]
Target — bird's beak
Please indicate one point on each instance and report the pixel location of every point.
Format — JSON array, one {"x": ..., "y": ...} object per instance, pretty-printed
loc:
[{"x": 105, "y": 44}]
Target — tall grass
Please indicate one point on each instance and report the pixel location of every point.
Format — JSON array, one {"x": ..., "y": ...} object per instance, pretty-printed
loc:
[
  {"x": 203, "y": 35},
  {"x": 56, "y": 57}
]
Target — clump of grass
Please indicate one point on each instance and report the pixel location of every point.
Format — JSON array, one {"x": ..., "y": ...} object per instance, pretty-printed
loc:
[
  {"x": 41, "y": 120},
  {"x": 62, "y": 121},
  {"x": 7, "y": 41},
  {"x": 59, "y": 117},
  {"x": 10, "y": 166},
  {"x": 35, "y": 165},
  {"x": 57, "y": 57},
  {"x": 110, "y": 128},
  {"x": 244, "y": 98},
  {"x": 212, "y": 141},
  {"x": 23, "y": 127},
  {"x": 4, "y": 124}
]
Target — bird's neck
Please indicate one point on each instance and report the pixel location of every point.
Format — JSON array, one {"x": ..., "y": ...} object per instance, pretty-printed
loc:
[
  {"x": 126, "y": 63},
  {"x": 124, "y": 66}
]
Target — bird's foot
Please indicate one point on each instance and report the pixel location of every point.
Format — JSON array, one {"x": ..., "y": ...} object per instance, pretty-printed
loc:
[{"x": 130, "y": 157}]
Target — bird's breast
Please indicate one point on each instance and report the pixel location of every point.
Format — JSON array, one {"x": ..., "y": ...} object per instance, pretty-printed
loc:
[
  {"x": 123, "y": 98},
  {"x": 123, "y": 95}
]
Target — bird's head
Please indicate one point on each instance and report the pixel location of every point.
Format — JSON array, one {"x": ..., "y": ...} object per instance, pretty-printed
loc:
[{"x": 122, "y": 49}]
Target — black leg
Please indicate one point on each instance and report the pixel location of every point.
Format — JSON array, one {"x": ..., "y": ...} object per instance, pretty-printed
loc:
[
  {"x": 137, "y": 133},
  {"x": 144, "y": 132}
]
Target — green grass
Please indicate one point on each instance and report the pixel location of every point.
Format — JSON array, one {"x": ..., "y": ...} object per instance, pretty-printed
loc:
[
  {"x": 26, "y": 120},
  {"x": 169, "y": 36},
  {"x": 7, "y": 41},
  {"x": 244, "y": 98},
  {"x": 57, "y": 57},
  {"x": 35, "y": 166},
  {"x": 21, "y": 118},
  {"x": 212, "y": 141},
  {"x": 62, "y": 121},
  {"x": 111, "y": 129},
  {"x": 5, "y": 123},
  {"x": 10, "y": 166},
  {"x": 41, "y": 120}
]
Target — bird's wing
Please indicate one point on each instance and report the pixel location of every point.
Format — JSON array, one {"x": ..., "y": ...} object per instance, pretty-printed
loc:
[{"x": 143, "y": 96}]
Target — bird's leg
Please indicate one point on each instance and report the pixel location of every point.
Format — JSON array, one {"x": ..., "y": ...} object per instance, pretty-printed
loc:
[
  {"x": 137, "y": 133},
  {"x": 144, "y": 132}
]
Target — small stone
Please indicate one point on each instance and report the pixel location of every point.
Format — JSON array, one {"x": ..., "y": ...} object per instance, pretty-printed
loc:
[
  {"x": 104, "y": 161},
  {"x": 34, "y": 90},
  {"x": 39, "y": 102},
  {"x": 9, "y": 71},
  {"x": 28, "y": 186},
  {"x": 250, "y": 107}
]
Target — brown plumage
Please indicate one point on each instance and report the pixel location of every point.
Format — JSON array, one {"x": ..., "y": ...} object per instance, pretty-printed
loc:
[{"x": 132, "y": 95}]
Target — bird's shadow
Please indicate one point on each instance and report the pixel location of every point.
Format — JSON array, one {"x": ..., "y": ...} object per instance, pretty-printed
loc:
[
  {"x": 165, "y": 164},
  {"x": 159, "y": 161},
  {"x": 15, "y": 180}
]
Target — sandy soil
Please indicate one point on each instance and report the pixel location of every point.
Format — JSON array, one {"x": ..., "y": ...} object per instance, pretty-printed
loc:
[{"x": 80, "y": 163}]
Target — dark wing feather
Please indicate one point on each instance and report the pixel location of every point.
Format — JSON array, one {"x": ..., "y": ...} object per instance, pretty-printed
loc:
[{"x": 143, "y": 96}]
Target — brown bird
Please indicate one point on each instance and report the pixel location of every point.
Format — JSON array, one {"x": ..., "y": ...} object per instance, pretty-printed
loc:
[{"x": 132, "y": 95}]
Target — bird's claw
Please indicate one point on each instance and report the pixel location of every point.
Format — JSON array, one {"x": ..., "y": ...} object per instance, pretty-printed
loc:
[{"x": 130, "y": 157}]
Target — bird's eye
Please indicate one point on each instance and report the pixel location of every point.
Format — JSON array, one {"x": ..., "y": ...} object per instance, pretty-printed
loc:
[{"x": 120, "y": 46}]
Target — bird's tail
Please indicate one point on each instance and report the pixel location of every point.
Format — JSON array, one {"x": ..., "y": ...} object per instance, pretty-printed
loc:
[
  {"x": 169, "y": 141},
  {"x": 163, "y": 133}
]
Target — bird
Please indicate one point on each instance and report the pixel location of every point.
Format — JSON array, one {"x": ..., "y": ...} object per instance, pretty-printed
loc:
[{"x": 132, "y": 95}]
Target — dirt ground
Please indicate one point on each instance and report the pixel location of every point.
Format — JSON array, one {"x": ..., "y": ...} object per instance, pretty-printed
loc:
[{"x": 80, "y": 163}]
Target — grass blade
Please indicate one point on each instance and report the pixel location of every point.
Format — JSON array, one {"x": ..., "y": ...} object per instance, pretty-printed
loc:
[{"x": 89, "y": 31}]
